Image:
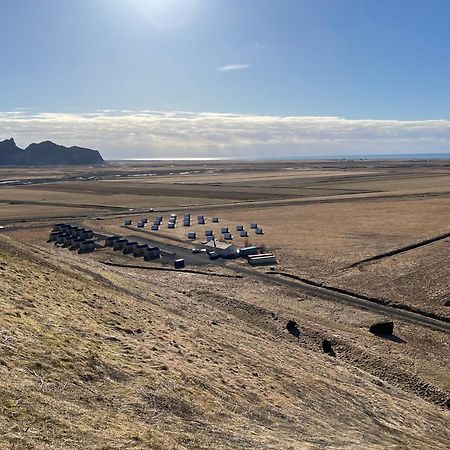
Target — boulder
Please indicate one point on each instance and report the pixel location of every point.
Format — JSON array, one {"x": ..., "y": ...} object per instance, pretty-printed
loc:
[
  {"x": 292, "y": 328},
  {"x": 327, "y": 347},
  {"x": 383, "y": 328}
]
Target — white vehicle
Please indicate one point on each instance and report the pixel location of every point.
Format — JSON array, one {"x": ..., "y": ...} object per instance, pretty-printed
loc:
[{"x": 196, "y": 250}]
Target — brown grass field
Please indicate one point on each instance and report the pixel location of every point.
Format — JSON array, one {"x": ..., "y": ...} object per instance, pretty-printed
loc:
[{"x": 99, "y": 356}]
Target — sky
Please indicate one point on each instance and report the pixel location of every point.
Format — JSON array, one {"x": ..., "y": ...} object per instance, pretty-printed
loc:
[{"x": 207, "y": 78}]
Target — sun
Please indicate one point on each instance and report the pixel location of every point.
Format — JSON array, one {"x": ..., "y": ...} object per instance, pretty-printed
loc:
[{"x": 166, "y": 14}]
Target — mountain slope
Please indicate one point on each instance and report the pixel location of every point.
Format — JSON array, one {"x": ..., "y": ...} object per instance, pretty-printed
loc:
[
  {"x": 10, "y": 154},
  {"x": 95, "y": 357},
  {"x": 46, "y": 153}
]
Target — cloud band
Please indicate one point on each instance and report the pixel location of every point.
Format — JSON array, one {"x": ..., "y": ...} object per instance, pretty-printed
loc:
[{"x": 151, "y": 134}]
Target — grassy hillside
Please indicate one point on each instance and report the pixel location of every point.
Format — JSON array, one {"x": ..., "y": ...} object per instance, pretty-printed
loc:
[{"x": 100, "y": 358}]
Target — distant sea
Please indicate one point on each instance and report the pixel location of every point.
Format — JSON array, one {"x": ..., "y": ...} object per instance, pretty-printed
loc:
[{"x": 400, "y": 156}]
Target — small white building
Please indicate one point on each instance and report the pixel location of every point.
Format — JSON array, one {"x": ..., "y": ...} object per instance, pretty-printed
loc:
[
  {"x": 109, "y": 241},
  {"x": 87, "y": 246},
  {"x": 119, "y": 244},
  {"x": 53, "y": 236},
  {"x": 138, "y": 250},
  {"x": 59, "y": 226},
  {"x": 129, "y": 247},
  {"x": 151, "y": 253},
  {"x": 262, "y": 259},
  {"x": 76, "y": 244},
  {"x": 60, "y": 239},
  {"x": 224, "y": 249},
  {"x": 179, "y": 263}
]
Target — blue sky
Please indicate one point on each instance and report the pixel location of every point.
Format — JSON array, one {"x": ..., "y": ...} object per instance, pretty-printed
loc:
[{"x": 128, "y": 64}]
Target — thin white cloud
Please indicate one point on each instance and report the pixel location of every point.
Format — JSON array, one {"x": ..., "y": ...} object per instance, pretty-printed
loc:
[
  {"x": 142, "y": 134},
  {"x": 233, "y": 67}
]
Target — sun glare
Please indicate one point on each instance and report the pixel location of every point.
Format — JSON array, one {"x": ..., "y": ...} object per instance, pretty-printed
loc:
[{"x": 166, "y": 14}]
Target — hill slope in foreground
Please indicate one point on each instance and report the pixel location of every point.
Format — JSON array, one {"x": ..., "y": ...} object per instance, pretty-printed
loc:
[{"x": 91, "y": 357}]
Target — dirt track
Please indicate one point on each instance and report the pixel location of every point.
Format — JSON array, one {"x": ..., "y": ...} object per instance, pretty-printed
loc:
[{"x": 315, "y": 289}]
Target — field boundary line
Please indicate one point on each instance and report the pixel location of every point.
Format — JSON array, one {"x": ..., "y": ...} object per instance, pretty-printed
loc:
[{"x": 397, "y": 251}]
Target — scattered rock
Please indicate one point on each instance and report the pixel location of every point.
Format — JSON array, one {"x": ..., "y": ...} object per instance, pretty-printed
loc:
[
  {"x": 447, "y": 302},
  {"x": 383, "y": 328},
  {"x": 327, "y": 347},
  {"x": 292, "y": 327}
]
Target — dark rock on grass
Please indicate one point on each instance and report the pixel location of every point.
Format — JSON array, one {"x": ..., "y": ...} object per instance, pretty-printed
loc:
[
  {"x": 382, "y": 328},
  {"x": 292, "y": 327}
]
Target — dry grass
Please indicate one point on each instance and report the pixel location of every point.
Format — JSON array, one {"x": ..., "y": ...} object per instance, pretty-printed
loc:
[
  {"x": 101, "y": 358},
  {"x": 107, "y": 358},
  {"x": 11, "y": 213},
  {"x": 419, "y": 277}
]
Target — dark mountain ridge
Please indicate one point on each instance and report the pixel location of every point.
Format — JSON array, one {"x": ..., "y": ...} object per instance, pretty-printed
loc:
[{"x": 46, "y": 153}]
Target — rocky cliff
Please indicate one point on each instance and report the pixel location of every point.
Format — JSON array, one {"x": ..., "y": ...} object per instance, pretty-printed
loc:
[{"x": 46, "y": 153}]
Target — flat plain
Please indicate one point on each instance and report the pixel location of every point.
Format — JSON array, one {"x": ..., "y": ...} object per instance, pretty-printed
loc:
[{"x": 106, "y": 351}]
